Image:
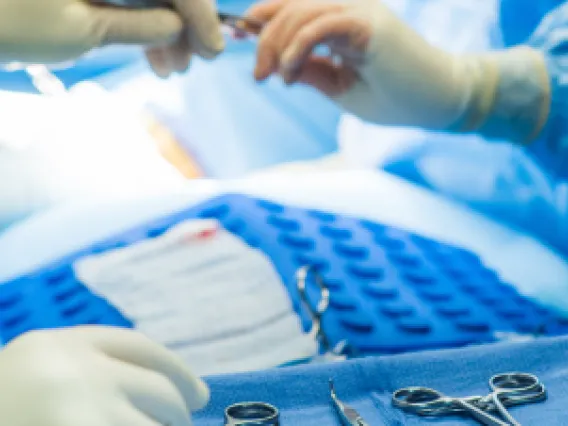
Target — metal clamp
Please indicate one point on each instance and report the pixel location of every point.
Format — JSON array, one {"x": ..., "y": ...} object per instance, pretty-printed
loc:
[{"x": 339, "y": 351}]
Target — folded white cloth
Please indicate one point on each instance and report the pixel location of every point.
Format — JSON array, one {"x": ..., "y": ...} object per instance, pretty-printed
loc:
[{"x": 205, "y": 294}]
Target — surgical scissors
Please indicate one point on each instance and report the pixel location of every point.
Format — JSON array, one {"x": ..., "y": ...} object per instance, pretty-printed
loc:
[
  {"x": 349, "y": 416},
  {"x": 508, "y": 389}
]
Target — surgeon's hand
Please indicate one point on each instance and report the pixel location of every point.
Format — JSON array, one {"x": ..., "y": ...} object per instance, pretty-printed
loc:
[
  {"x": 51, "y": 31},
  {"x": 95, "y": 376},
  {"x": 201, "y": 35},
  {"x": 380, "y": 69}
]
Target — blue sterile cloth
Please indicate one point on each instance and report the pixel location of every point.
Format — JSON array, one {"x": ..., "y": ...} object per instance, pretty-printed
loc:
[{"x": 302, "y": 393}]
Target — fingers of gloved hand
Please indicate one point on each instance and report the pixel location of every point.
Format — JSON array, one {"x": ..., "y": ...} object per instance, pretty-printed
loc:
[
  {"x": 279, "y": 32},
  {"x": 150, "y": 392},
  {"x": 135, "y": 348},
  {"x": 296, "y": 16},
  {"x": 164, "y": 60},
  {"x": 181, "y": 52},
  {"x": 263, "y": 12},
  {"x": 201, "y": 18},
  {"x": 147, "y": 27},
  {"x": 339, "y": 28},
  {"x": 266, "y": 10},
  {"x": 159, "y": 61},
  {"x": 327, "y": 77}
]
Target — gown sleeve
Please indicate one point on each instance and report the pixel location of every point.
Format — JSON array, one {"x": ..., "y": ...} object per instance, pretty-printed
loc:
[{"x": 550, "y": 149}]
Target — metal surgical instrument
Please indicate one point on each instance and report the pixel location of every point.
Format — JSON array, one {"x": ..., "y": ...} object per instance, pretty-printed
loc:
[
  {"x": 336, "y": 352},
  {"x": 252, "y": 414},
  {"x": 348, "y": 416},
  {"x": 508, "y": 389},
  {"x": 430, "y": 402}
]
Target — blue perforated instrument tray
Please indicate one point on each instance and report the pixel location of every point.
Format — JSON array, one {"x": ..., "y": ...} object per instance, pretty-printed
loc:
[{"x": 391, "y": 291}]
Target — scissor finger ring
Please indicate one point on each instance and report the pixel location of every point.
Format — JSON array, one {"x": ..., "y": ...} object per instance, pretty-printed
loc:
[{"x": 252, "y": 414}]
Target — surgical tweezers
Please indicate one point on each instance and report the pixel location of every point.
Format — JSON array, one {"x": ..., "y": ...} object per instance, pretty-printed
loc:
[{"x": 348, "y": 415}]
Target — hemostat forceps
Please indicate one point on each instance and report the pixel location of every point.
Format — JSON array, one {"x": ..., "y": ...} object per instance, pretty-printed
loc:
[
  {"x": 508, "y": 389},
  {"x": 337, "y": 352}
]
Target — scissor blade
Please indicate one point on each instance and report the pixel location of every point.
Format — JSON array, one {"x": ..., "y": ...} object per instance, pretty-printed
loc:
[
  {"x": 353, "y": 417},
  {"x": 349, "y": 416}
]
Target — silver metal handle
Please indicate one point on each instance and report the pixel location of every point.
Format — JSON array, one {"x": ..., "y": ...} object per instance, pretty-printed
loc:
[
  {"x": 482, "y": 416},
  {"x": 252, "y": 414}
]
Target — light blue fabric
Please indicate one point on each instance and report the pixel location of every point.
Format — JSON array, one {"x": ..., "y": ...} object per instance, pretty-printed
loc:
[
  {"x": 93, "y": 65},
  {"x": 294, "y": 124},
  {"x": 302, "y": 393},
  {"x": 551, "y": 37},
  {"x": 525, "y": 188}
]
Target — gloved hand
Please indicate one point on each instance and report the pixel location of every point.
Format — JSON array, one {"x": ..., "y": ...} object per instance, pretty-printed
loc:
[
  {"x": 384, "y": 72},
  {"x": 50, "y": 31},
  {"x": 94, "y": 376},
  {"x": 202, "y": 36}
]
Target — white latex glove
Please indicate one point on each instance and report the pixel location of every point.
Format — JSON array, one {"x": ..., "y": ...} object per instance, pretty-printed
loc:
[
  {"x": 95, "y": 376},
  {"x": 384, "y": 72},
  {"x": 202, "y": 35},
  {"x": 51, "y": 31}
]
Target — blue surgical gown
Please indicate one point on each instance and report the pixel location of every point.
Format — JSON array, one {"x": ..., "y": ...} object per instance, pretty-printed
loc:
[{"x": 526, "y": 188}]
